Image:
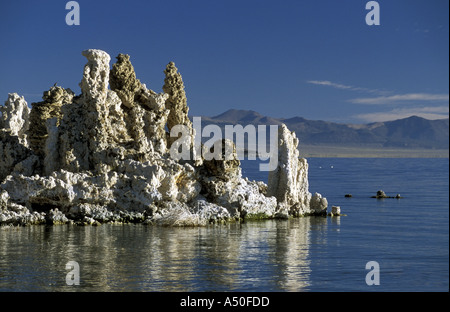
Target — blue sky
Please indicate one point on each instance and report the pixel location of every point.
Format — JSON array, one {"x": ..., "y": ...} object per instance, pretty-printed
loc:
[{"x": 312, "y": 58}]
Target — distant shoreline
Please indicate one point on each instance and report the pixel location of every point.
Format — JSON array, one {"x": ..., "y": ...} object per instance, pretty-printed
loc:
[
  {"x": 327, "y": 151},
  {"x": 331, "y": 151}
]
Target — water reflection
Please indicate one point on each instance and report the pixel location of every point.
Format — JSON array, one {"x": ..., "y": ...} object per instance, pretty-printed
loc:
[{"x": 255, "y": 256}]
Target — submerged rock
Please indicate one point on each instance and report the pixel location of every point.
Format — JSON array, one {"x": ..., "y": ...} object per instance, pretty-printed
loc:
[
  {"x": 381, "y": 194},
  {"x": 104, "y": 156}
]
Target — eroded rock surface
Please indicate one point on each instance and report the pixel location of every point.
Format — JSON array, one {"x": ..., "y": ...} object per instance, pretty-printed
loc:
[
  {"x": 104, "y": 156},
  {"x": 288, "y": 183},
  {"x": 14, "y": 117},
  {"x": 177, "y": 102},
  {"x": 43, "y": 112},
  {"x": 14, "y": 123}
]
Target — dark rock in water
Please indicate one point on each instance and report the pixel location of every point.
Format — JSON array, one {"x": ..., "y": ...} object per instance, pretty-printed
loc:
[
  {"x": 348, "y": 195},
  {"x": 381, "y": 194}
]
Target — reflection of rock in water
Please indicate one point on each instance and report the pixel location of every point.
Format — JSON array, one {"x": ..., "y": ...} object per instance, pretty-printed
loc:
[
  {"x": 295, "y": 271},
  {"x": 293, "y": 244},
  {"x": 272, "y": 255},
  {"x": 105, "y": 156}
]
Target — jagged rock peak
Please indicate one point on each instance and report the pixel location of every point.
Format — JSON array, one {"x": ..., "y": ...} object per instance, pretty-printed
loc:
[
  {"x": 285, "y": 181},
  {"x": 122, "y": 79},
  {"x": 289, "y": 181},
  {"x": 131, "y": 91},
  {"x": 177, "y": 101},
  {"x": 95, "y": 80},
  {"x": 96, "y": 56}
]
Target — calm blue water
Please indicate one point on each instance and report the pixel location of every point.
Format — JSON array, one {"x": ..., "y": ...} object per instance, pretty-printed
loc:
[{"x": 408, "y": 237}]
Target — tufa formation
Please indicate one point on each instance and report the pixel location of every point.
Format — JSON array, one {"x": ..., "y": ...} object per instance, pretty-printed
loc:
[{"x": 103, "y": 156}]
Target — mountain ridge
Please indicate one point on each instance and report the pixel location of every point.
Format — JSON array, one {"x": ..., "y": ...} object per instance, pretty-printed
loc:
[{"x": 413, "y": 132}]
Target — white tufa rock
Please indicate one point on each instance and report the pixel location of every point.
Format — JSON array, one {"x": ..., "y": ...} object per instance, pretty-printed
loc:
[
  {"x": 318, "y": 204},
  {"x": 336, "y": 210},
  {"x": 289, "y": 181},
  {"x": 14, "y": 122},
  {"x": 95, "y": 80},
  {"x": 15, "y": 117},
  {"x": 103, "y": 156}
]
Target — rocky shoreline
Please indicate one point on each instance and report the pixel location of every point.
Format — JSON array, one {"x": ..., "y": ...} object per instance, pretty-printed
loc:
[{"x": 103, "y": 157}]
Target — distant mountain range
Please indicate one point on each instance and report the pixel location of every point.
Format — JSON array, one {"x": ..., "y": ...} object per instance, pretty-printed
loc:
[{"x": 408, "y": 133}]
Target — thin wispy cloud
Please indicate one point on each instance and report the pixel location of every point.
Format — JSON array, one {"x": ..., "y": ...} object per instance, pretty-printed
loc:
[
  {"x": 425, "y": 105},
  {"x": 398, "y": 98},
  {"x": 329, "y": 83},
  {"x": 385, "y": 97},
  {"x": 343, "y": 86}
]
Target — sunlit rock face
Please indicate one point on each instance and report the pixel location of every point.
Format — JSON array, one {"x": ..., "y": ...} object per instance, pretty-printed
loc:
[
  {"x": 15, "y": 117},
  {"x": 288, "y": 183},
  {"x": 15, "y": 154},
  {"x": 223, "y": 185},
  {"x": 104, "y": 156}
]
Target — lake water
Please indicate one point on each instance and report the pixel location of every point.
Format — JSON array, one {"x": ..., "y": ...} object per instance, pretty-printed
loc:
[{"x": 408, "y": 238}]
